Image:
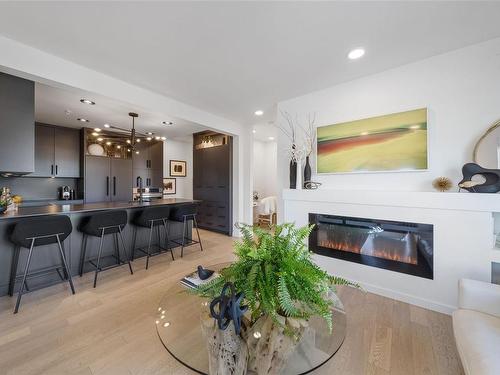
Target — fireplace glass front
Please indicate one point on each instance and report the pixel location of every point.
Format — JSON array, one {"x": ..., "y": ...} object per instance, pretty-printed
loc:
[{"x": 393, "y": 245}]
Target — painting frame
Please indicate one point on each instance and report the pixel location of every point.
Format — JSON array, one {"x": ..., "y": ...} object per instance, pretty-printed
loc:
[
  {"x": 178, "y": 168},
  {"x": 169, "y": 189},
  {"x": 426, "y": 144}
]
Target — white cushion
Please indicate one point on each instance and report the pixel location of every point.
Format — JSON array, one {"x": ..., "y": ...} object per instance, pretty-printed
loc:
[{"x": 478, "y": 341}]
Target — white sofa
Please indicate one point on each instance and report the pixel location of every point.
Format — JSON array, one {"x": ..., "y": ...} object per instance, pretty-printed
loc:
[{"x": 476, "y": 326}]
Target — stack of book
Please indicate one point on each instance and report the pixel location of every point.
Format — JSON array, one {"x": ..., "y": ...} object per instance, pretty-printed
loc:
[{"x": 193, "y": 281}]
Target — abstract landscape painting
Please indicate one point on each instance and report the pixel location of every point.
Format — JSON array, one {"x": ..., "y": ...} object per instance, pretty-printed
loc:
[{"x": 395, "y": 142}]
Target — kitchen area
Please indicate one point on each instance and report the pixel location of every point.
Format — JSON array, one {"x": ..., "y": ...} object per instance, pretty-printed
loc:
[{"x": 66, "y": 153}]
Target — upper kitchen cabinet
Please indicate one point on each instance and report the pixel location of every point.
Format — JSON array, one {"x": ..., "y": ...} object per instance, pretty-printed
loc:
[
  {"x": 148, "y": 163},
  {"x": 17, "y": 120},
  {"x": 57, "y": 151}
]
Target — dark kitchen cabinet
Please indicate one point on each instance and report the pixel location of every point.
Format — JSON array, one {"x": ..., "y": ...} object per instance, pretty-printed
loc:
[
  {"x": 212, "y": 181},
  {"x": 107, "y": 179},
  {"x": 57, "y": 151},
  {"x": 121, "y": 174},
  {"x": 17, "y": 121},
  {"x": 67, "y": 152},
  {"x": 148, "y": 164},
  {"x": 97, "y": 171},
  {"x": 44, "y": 151}
]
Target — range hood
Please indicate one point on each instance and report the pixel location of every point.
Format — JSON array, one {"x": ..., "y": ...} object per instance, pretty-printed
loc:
[{"x": 17, "y": 126}]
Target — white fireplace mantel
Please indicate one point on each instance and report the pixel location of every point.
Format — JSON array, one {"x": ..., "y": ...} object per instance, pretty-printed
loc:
[
  {"x": 411, "y": 199},
  {"x": 464, "y": 224}
]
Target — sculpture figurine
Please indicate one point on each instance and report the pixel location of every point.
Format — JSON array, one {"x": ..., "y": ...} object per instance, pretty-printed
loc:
[
  {"x": 228, "y": 308},
  {"x": 491, "y": 176}
]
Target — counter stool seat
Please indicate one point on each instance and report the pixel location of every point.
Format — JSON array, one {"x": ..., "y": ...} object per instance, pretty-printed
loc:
[
  {"x": 152, "y": 217},
  {"x": 184, "y": 214},
  {"x": 38, "y": 231},
  {"x": 99, "y": 225}
]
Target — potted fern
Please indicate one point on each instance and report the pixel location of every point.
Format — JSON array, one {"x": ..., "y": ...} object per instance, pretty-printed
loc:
[{"x": 283, "y": 288}]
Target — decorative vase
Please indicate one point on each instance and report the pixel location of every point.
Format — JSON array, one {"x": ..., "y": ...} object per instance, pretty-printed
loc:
[
  {"x": 300, "y": 181},
  {"x": 293, "y": 174},
  {"x": 307, "y": 172}
]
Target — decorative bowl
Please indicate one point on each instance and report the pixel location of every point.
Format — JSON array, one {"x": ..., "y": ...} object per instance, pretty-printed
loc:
[{"x": 95, "y": 149}]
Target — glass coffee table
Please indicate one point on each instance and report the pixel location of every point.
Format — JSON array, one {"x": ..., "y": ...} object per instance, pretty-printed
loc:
[{"x": 178, "y": 323}]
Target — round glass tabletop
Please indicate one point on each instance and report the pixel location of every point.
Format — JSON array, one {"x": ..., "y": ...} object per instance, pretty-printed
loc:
[{"x": 179, "y": 327}]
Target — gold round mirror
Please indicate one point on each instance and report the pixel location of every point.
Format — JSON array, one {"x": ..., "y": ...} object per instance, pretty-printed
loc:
[{"x": 487, "y": 149}]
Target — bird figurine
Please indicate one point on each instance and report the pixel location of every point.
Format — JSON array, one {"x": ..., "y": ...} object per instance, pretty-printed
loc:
[{"x": 203, "y": 273}]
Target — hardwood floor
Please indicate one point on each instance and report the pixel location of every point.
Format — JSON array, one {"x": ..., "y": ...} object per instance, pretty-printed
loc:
[{"x": 111, "y": 329}]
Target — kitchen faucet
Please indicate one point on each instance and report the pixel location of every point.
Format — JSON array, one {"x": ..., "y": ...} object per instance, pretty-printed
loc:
[{"x": 139, "y": 184}]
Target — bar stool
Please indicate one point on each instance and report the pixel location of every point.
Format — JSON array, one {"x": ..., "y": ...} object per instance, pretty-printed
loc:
[
  {"x": 99, "y": 225},
  {"x": 150, "y": 218},
  {"x": 38, "y": 231},
  {"x": 184, "y": 214}
]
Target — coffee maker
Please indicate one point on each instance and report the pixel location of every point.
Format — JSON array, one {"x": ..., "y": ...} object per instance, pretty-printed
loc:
[{"x": 64, "y": 192}]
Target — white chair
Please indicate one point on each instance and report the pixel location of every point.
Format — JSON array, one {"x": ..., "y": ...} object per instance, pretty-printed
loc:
[
  {"x": 476, "y": 326},
  {"x": 267, "y": 211}
]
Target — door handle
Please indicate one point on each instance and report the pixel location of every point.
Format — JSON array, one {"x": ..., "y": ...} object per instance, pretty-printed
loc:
[
  {"x": 107, "y": 185},
  {"x": 56, "y": 169},
  {"x": 114, "y": 185},
  {"x": 52, "y": 170}
]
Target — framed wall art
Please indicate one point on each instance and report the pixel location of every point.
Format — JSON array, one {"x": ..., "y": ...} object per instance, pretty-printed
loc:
[
  {"x": 177, "y": 168},
  {"x": 395, "y": 142},
  {"x": 169, "y": 185}
]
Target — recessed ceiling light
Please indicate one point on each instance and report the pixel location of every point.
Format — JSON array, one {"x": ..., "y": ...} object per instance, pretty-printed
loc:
[
  {"x": 97, "y": 130},
  {"x": 149, "y": 133},
  {"x": 83, "y": 120},
  {"x": 95, "y": 134},
  {"x": 138, "y": 140},
  {"x": 148, "y": 138},
  {"x": 107, "y": 125},
  {"x": 99, "y": 139},
  {"x": 157, "y": 138},
  {"x": 87, "y": 101},
  {"x": 356, "y": 53},
  {"x": 137, "y": 152},
  {"x": 163, "y": 138},
  {"x": 128, "y": 141},
  {"x": 167, "y": 122},
  {"x": 118, "y": 147},
  {"x": 271, "y": 138},
  {"x": 254, "y": 131},
  {"x": 108, "y": 143},
  {"x": 259, "y": 113}
]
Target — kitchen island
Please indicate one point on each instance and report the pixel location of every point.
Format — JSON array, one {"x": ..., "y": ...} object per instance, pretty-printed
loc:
[{"x": 45, "y": 257}]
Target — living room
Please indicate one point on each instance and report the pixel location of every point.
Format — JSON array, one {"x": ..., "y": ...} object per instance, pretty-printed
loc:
[{"x": 329, "y": 179}]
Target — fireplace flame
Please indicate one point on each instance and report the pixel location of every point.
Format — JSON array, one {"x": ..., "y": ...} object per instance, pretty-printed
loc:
[{"x": 384, "y": 253}]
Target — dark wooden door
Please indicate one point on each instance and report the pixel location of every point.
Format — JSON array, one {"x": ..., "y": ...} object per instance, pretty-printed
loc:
[
  {"x": 44, "y": 151},
  {"x": 156, "y": 156},
  {"x": 121, "y": 177},
  {"x": 97, "y": 179},
  {"x": 67, "y": 152},
  {"x": 141, "y": 160},
  {"x": 212, "y": 179}
]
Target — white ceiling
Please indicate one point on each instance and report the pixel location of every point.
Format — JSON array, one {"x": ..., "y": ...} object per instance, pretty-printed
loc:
[
  {"x": 231, "y": 58},
  {"x": 51, "y": 105}
]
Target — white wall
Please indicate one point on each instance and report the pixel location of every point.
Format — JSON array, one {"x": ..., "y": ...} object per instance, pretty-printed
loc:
[
  {"x": 265, "y": 180},
  {"x": 460, "y": 90},
  {"x": 179, "y": 150}
]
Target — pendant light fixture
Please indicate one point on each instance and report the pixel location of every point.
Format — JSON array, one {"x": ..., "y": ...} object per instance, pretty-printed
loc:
[{"x": 132, "y": 132}]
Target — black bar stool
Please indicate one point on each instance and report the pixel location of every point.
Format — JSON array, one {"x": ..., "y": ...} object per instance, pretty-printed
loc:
[
  {"x": 37, "y": 231},
  {"x": 150, "y": 218},
  {"x": 183, "y": 214},
  {"x": 99, "y": 225}
]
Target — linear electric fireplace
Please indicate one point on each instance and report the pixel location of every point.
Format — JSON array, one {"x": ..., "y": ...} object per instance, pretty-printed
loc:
[{"x": 393, "y": 245}]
